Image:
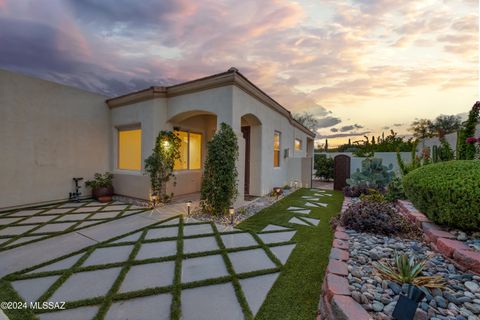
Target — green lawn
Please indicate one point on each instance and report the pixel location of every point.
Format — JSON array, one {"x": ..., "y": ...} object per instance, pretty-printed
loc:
[{"x": 296, "y": 293}]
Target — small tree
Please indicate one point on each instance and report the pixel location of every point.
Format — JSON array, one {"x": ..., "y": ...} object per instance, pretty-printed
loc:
[
  {"x": 159, "y": 165},
  {"x": 466, "y": 151},
  {"x": 219, "y": 184},
  {"x": 323, "y": 167}
]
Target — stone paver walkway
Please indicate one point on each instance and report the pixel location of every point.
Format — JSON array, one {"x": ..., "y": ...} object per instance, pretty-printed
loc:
[
  {"x": 23, "y": 226},
  {"x": 166, "y": 268}
]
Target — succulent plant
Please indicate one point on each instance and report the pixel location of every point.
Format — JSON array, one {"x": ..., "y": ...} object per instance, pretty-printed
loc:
[
  {"x": 408, "y": 271},
  {"x": 374, "y": 174}
]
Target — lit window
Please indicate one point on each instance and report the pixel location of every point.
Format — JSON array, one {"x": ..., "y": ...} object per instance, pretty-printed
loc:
[
  {"x": 190, "y": 151},
  {"x": 130, "y": 149},
  {"x": 298, "y": 144},
  {"x": 276, "y": 149}
]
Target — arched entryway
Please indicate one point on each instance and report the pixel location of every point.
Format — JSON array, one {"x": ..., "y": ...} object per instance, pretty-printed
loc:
[
  {"x": 251, "y": 128},
  {"x": 341, "y": 171}
]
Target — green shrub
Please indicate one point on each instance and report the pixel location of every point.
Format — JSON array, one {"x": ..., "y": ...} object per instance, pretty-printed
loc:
[
  {"x": 373, "y": 196},
  {"x": 447, "y": 192},
  {"x": 323, "y": 167},
  {"x": 395, "y": 190},
  {"x": 219, "y": 184}
]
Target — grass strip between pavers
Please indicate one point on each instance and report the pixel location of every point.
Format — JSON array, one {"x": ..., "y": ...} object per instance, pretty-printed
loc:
[{"x": 294, "y": 295}]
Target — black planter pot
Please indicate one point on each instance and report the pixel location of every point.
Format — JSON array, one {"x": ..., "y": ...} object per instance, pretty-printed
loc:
[{"x": 407, "y": 304}]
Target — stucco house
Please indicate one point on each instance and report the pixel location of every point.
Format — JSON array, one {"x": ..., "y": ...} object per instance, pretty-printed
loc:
[{"x": 50, "y": 133}]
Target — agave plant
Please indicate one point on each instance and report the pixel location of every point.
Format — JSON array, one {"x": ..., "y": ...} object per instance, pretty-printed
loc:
[{"x": 408, "y": 270}]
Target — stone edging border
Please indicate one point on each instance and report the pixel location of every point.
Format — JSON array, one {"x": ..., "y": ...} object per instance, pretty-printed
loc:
[
  {"x": 336, "y": 302},
  {"x": 461, "y": 255}
]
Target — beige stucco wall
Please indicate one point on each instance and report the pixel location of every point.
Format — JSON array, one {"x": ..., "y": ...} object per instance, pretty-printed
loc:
[{"x": 49, "y": 133}]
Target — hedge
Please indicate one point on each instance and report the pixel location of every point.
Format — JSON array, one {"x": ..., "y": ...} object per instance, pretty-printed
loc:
[{"x": 447, "y": 192}]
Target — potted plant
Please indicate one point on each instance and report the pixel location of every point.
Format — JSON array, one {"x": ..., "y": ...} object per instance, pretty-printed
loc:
[
  {"x": 407, "y": 270},
  {"x": 102, "y": 186}
]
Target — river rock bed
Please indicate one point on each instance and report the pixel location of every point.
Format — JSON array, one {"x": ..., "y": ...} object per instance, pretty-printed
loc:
[{"x": 459, "y": 299}]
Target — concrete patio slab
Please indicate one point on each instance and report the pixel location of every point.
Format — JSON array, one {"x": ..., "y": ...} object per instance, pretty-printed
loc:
[
  {"x": 321, "y": 204},
  {"x": 58, "y": 211},
  {"x": 105, "y": 215},
  {"x": 108, "y": 255},
  {"x": 159, "y": 233},
  {"x": 313, "y": 221},
  {"x": 211, "y": 303},
  {"x": 38, "y": 219},
  {"x": 5, "y": 221},
  {"x": 115, "y": 207},
  {"x": 200, "y": 245},
  {"x": 298, "y": 221},
  {"x": 150, "y": 275},
  {"x": 73, "y": 217},
  {"x": 276, "y": 237},
  {"x": 250, "y": 260},
  {"x": 283, "y": 252},
  {"x": 203, "y": 268},
  {"x": 132, "y": 237},
  {"x": 85, "y": 224},
  {"x": 72, "y": 204},
  {"x": 24, "y": 239},
  {"x": 309, "y": 204},
  {"x": 54, "y": 227},
  {"x": 191, "y": 230},
  {"x": 85, "y": 209},
  {"x": 59, "y": 265},
  {"x": 306, "y": 211},
  {"x": 32, "y": 289},
  {"x": 237, "y": 240},
  {"x": 25, "y": 213},
  {"x": 294, "y": 208},
  {"x": 95, "y": 204},
  {"x": 143, "y": 308},
  {"x": 16, "y": 230},
  {"x": 88, "y": 312},
  {"x": 84, "y": 285},
  {"x": 256, "y": 289},
  {"x": 272, "y": 227},
  {"x": 171, "y": 222},
  {"x": 157, "y": 250}
]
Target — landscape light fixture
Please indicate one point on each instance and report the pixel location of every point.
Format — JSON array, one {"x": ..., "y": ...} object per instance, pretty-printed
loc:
[
  {"x": 277, "y": 191},
  {"x": 166, "y": 144},
  {"x": 189, "y": 204},
  {"x": 153, "y": 199},
  {"x": 231, "y": 211},
  {"x": 295, "y": 183}
]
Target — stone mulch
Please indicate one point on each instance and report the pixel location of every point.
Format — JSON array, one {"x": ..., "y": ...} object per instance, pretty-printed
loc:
[
  {"x": 161, "y": 271},
  {"x": 459, "y": 299},
  {"x": 23, "y": 226}
]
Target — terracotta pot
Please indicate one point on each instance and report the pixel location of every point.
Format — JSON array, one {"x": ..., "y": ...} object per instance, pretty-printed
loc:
[
  {"x": 105, "y": 199},
  {"x": 102, "y": 192}
]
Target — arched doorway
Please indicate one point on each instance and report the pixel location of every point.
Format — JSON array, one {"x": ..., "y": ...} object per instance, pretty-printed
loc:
[
  {"x": 341, "y": 171},
  {"x": 252, "y": 133}
]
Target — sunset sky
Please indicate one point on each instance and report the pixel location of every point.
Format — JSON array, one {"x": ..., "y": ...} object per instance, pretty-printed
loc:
[{"x": 359, "y": 66}]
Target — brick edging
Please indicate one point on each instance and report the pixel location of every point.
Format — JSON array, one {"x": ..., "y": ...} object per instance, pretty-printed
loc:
[
  {"x": 336, "y": 302},
  {"x": 442, "y": 241}
]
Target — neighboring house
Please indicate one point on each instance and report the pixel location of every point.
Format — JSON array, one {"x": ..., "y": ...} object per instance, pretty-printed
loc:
[{"x": 64, "y": 132}]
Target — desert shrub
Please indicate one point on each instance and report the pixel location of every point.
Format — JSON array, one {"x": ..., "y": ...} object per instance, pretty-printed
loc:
[
  {"x": 373, "y": 196},
  {"x": 219, "y": 183},
  {"x": 466, "y": 151},
  {"x": 355, "y": 191},
  {"x": 378, "y": 218},
  {"x": 395, "y": 190},
  {"x": 374, "y": 174},
  {"x": 447, "y": 192}
]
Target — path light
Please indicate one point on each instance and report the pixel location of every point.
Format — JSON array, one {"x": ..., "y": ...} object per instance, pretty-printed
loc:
[
  {"x": 153, "y": 199},
  {"x": 277, "y": 191},
  {"x": 189, "y": 204},
  {"x": 231, "y": 211},
  {"x": 295, "y": 183}
]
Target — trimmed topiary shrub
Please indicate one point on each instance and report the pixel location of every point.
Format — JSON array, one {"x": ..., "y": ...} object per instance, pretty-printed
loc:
[{"x": 447, "y": 192}]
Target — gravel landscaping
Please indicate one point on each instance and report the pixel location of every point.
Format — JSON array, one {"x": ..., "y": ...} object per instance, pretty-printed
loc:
[{"x": 459, "y": 299}]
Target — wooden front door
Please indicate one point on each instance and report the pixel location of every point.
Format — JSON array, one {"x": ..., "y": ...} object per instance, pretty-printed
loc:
[
  {"x": 341, "y": 171},
  {"x": 246, "y": 136}
]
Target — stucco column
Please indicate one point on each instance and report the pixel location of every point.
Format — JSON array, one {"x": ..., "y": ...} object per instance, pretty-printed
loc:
[{"x": 240, "y": 169}]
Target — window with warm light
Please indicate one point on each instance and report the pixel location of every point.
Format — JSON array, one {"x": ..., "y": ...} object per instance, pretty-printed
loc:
[
  {"x": 130, "y": 149},
  {"x": 298, "y": 144},
  {"x": 276, "y": 149},
  {"x": 190, "y": 151}
]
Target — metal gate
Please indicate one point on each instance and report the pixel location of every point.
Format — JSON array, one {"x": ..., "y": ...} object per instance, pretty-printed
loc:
[{"x": 341, "y": 171}]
